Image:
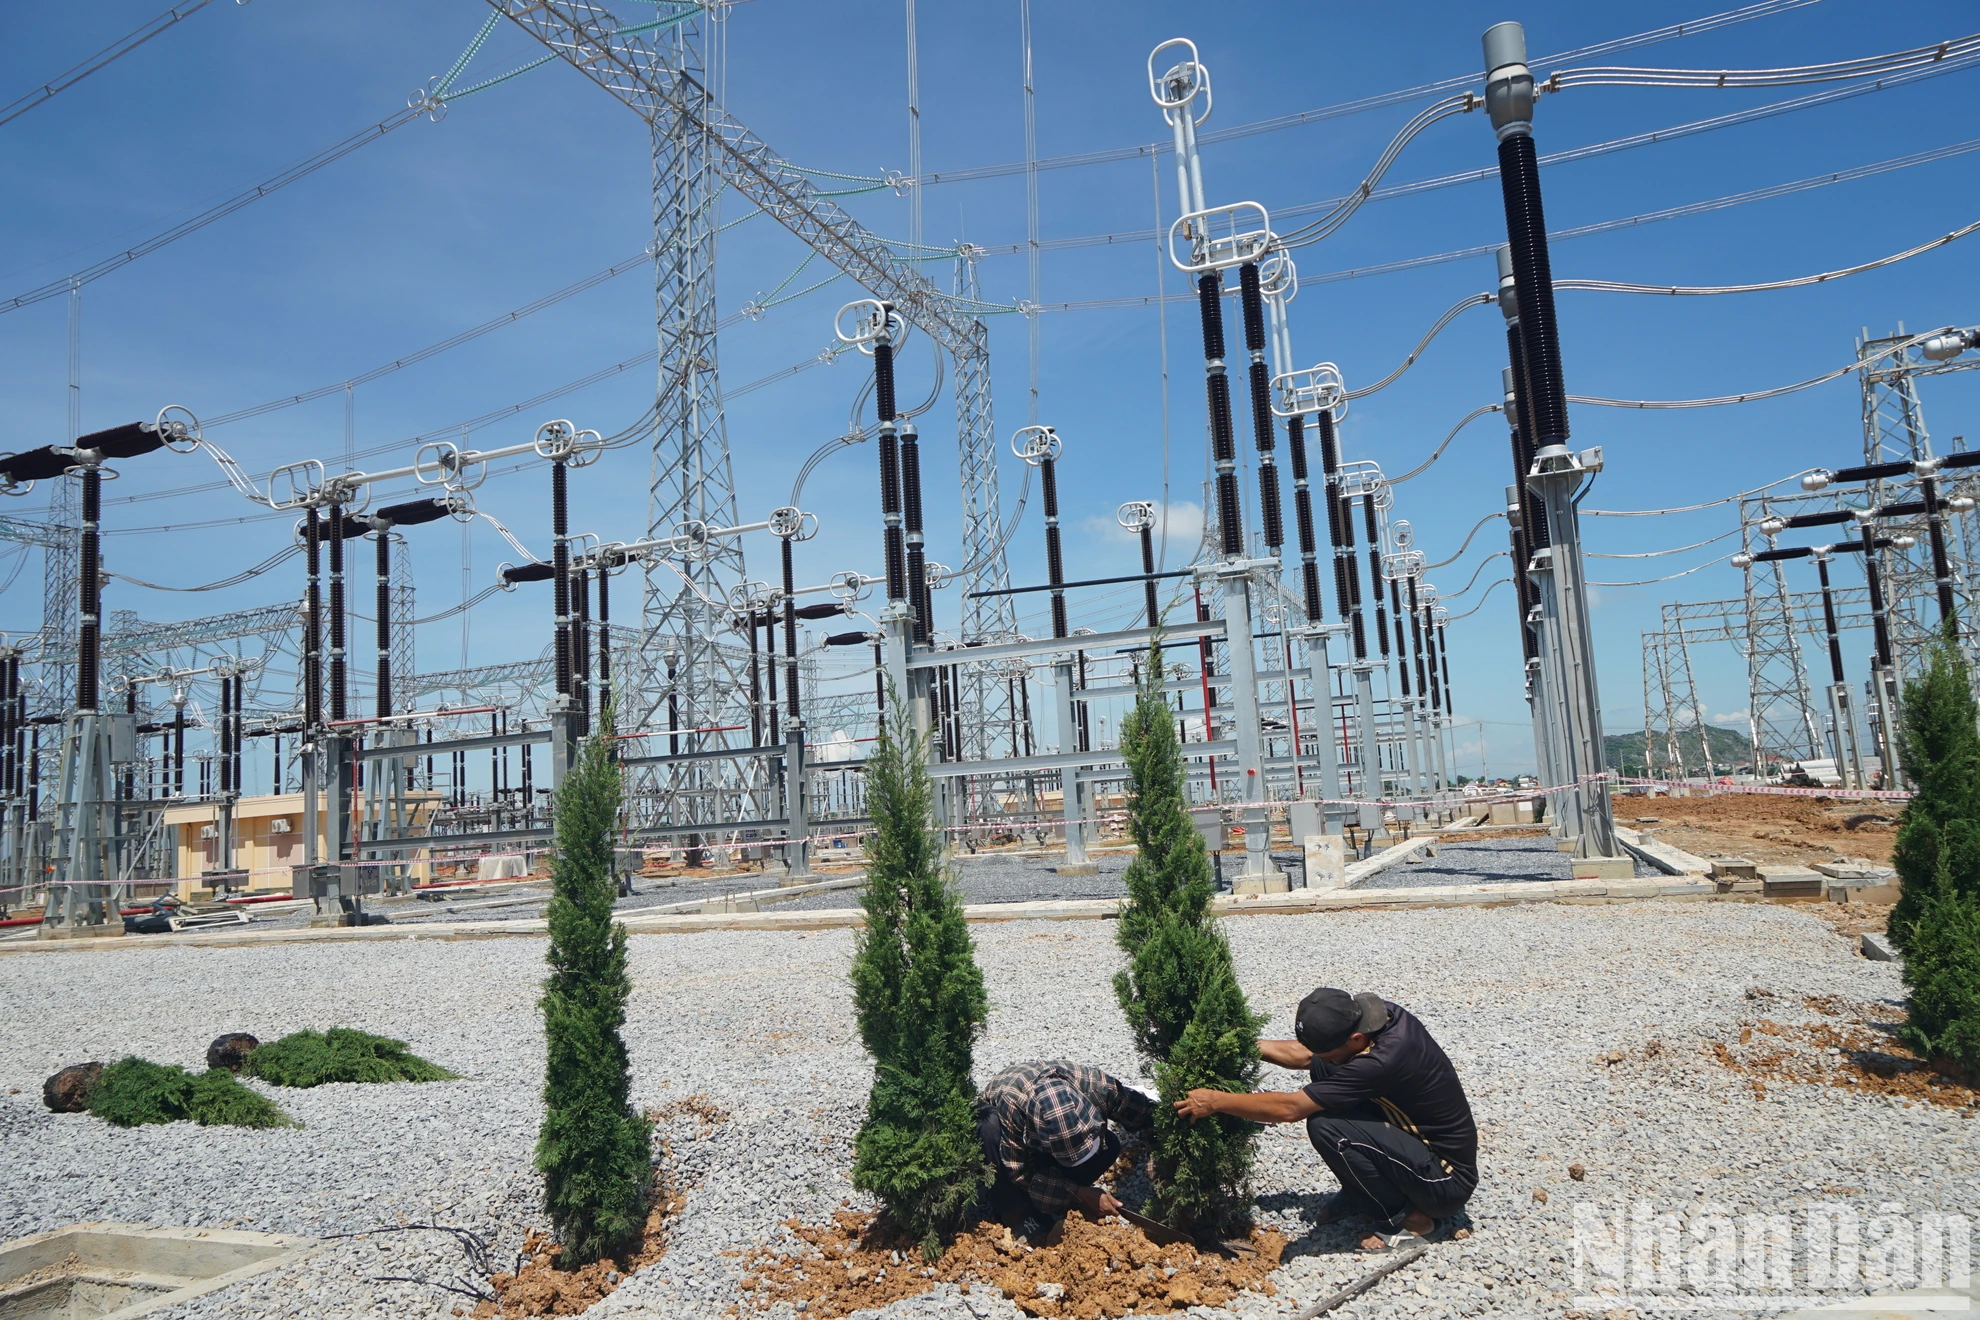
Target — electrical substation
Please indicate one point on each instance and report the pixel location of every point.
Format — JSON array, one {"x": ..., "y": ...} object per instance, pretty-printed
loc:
[
  {"x": 711, "y": 997},
  {"x": 1307, "y": 651}
]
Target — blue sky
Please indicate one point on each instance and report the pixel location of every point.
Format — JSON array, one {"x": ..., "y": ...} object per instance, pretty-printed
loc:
[{"x": 532, "y": 185}]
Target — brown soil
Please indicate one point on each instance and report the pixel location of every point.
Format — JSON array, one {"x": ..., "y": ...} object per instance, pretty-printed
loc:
[
  {"x": 1764, "y": 828},
  {"x": 539, "y": 1287},
  {"x": 1867, "y": 1057},
  {"x": 1852, "y": 919},
  {"x": 1103, "y": 1269}
]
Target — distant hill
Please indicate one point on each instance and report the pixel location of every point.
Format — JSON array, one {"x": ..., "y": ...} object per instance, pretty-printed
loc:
[{"x": 1624, "y": 751}]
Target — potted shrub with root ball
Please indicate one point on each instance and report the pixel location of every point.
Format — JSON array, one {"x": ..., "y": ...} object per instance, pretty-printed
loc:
[
  {"x": 920, "y": 1002},
  {"x": 593, "y": 1150},
  {"x": 1179, "y": 992}
]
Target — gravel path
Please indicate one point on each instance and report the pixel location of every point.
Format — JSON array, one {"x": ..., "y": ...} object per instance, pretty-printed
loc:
[{"x": 1526, "y": 999}]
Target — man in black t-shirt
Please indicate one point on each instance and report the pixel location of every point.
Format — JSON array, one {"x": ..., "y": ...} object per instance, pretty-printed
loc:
[{"x": 1384, "y": 1108}]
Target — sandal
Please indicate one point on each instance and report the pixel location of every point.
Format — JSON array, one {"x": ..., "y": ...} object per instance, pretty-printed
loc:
[
  {"x": 1403, "y": 1238},
  {"x": 1339, "y": 1209}
]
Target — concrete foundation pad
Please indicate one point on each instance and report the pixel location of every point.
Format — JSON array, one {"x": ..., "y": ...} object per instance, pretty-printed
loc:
[
  {"x": 1276, "y": 883},
  {"x": 1077, "y": 868},
  {"x": 1791, "y": 882},
  {"x": 121, "y": 1271},
  {"x": 1877, "y": 948},
  {"x": 48, "y": 932},
  {"x": 1603, "y": 868}
]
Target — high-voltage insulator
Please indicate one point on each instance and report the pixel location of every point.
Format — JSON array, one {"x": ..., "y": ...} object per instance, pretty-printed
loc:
[
  {"x": 878, "y": 331},
  {"x": 1040, "y": 447},
  {"x": 1138, "y": 516},
  {"x": 338, "y": 530},
  {"x": 919, "y": 596},
  {"x": 1259, "y": 379}
]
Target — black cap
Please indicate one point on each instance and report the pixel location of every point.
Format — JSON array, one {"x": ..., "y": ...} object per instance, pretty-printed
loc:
[{"x": 1327, "y": 1017}]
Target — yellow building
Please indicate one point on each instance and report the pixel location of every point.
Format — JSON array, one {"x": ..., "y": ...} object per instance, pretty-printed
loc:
[{"x": 268, "y": 837}]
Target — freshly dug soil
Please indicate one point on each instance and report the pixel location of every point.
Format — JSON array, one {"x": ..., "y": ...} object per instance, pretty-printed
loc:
[
  {"x": 1854, "y": 1049},
  {"x": 540, "y": 1288},
  {"x": 1852, "y": 919},
  {"x": 1764, "y": 828},
  {"x": 1103, "y": 1269}
]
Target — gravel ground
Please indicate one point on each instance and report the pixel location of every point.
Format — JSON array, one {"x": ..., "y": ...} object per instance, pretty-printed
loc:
[
  {"x": 1527, "y": 1000},
  {"x": 1486, "y": 862}
]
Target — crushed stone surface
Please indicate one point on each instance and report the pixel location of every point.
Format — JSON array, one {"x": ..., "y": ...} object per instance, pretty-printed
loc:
[
  {"x": 744, "y": 1041},
  {"x": 1487, "y": 861}
]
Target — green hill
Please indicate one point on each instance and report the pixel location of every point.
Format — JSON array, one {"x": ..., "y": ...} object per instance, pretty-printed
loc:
[{"x": 1730, "y": 749}]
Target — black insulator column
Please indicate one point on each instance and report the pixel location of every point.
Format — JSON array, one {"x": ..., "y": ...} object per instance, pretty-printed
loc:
[
  {"x": 1309, "y": 567},
  {"x": 755, "y": 683},
  {"x": 1430, "y": 645},
  {"x": 890, "y": 473},
  {"x": 1416, "y": 639},
  {"x": 89, "y": 606},
  {"x": 604, "y": 638},
  {"x": 1444, "y": 662},
  {"x": 1223, "y": 443},
  {"x": 1055, "y": 563},
  {"x": 1544, "y": 398},
  {"x": 1347, "y": 571},
  {"x": 226, "y": 732},
  {"x": 1935, "y": 530},
  {"x": 383, "y": 706},
  {"x": 1375, "y": 570},
  {"x": 581, "y": 646},
  {"x": 1402, "y": 653},
  {"x": 769, "y": 618},
  {"x": 917, "y": 557},
  {"x": 338, "y": 677},
  {"x": 791, "y": 695},
  {"x": 560, "y": 568},
  {"x": 1829, "y": 620},
  {"x": 312, "y": 641},
  {"x": 1873, "y": 578},
  {"x": 1263, "y": 433},
  {"x": 673, "y": 716},
  {"x": 179, "y": 742},
  {"x": 1340, "y": 532},
  {"x": 1148, "y": 570},
  {"x": 879, "y": 679}
]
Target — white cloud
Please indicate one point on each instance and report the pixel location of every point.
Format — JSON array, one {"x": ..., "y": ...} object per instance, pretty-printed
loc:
[
  {"x": 1185, "y": 528},
  {"x": 1741, "y": 718}
]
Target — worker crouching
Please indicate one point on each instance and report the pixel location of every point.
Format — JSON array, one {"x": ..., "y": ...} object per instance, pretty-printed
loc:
[{"x": 1044, "y": 1127}]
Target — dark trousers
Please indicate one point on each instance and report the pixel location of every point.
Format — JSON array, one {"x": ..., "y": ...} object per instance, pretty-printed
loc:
[
  {"x": 1006, "y": 1201},
  {"x": 1384, "y": 1169}
]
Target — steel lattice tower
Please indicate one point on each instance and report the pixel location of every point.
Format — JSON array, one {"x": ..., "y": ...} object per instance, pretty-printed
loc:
[
  {"x": 1894, "y": 431},
  {"x": 1782, "y": 709},
  {"x": 987, "y": 712}
]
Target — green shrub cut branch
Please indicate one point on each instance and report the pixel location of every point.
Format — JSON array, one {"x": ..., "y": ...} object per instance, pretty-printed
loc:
[
  {"x": 594, "y": 1151},
  {"x": 313, "y": 1058},
  {"x": 919, "y": 998},
  {"x": 134, "y": 1091},
  {"x": 1179, "y": 991}
]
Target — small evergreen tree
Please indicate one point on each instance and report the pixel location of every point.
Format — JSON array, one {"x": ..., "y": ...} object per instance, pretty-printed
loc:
[
  {"x": 1179, "y": 991},
  {"x": 1940, "y": 828},
  {"x": 593, "y": 1150},
  {"x": 919, "y": 998},
  {"x": 1942, "y": 969}
]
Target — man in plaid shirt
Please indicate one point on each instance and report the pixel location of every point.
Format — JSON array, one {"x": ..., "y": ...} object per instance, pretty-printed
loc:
[{"x": 1043, "y": 1126}]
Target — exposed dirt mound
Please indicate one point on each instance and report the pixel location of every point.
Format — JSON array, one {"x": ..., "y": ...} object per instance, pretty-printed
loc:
[
  {"x": 1766, "y": 828},
  {"x": 1853, "y": 919},
  {"x": 1855, "y": 1050},
  {"x": 1104, "y": 1269},
  {"x": 538, "y": 1287}
]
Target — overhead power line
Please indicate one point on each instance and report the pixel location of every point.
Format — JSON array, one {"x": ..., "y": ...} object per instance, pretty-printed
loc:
[
  {"x": 116, "y": 50},
  {"x": 1709, "y": 23}
]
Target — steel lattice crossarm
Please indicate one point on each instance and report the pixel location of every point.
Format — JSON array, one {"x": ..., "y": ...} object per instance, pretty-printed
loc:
[
  {"x": 524, "y": 673},
  {"x": 35, "y": 533},
  {"x": 590, "y": 39},
  {"x": 197, "y": 632},
  {"x": 1726, "y": 620}
]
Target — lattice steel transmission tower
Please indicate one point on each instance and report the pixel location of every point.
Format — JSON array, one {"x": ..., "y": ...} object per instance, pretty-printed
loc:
[
  {"x": 1660, "y": 744},
  {"x": 651, "y": 80},
  {"x": 692, "y": 479},
  {"x": 1781, "y": 707},
  {"x": 988, "y": 712},
  {"x": 1894, "y": 431}
]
